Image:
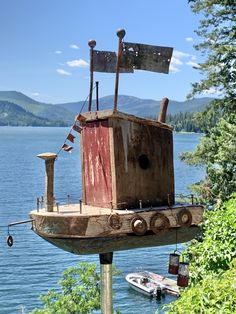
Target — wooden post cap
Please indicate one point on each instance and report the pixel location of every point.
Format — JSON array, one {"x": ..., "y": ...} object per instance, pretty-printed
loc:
[
  {"x": 92, "y": 43},
  {"x": 120, "y": 33},
  {"x": 47, "y": 156}
]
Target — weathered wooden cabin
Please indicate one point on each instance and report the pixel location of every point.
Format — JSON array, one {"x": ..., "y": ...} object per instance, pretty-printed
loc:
[{"x": 127, "y": 161}]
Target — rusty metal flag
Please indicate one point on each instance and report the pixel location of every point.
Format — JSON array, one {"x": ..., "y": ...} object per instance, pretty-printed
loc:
[
  {"x": 146, "y": 57},
  {"x": 134, "y": 57},
  {"x": 105, "y": 61},
  {"x": 66, "y": 148}
]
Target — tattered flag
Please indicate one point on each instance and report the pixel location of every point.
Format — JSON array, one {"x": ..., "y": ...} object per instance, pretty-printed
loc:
[
  {"x": 105, "y": 61},
  {"x": 134, "y": 57},
  {"x": 80, "y": 117},
  {"x": 66, "y": 148},
  {"x": 77, "y": 128},
  {"x": 146, "y": 57},
  {"x": 70, "y": 137}
]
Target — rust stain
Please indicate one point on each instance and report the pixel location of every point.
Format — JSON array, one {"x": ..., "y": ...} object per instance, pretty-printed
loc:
[
  {"x": 96, "y": 160},
  {"x": 78, "y": 226}
]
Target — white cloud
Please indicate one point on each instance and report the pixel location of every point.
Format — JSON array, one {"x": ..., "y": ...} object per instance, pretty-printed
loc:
[
  {"x": 180, "y": 54},
  {"x": 58, "y": 52},
  {"x": 180, "y": 58},
  {"x": 193, "y": 64},
  {"x": 35, "y": 94},
  {"x": 174, "y": 64},
  {"x": 77, "y": 63},
  {"x": 73, "y": 46},
  {"x": 63, "y": 72},
  {"x": 189, "y": 39},
  {"x": 174, "y": 68},
  {"x": 176, "y": 61}
]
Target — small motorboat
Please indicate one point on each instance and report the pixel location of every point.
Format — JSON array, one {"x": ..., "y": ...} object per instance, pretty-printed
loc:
[{"x": 152, "y": 284}]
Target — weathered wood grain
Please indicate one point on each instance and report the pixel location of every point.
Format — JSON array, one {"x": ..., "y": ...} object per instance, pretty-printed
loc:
[
  {"x": 126, "y": 160},
  {"x": 96, "y": 223}
]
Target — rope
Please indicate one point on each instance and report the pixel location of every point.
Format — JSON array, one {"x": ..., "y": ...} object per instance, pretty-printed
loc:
[{"x": 82, "y": 107}]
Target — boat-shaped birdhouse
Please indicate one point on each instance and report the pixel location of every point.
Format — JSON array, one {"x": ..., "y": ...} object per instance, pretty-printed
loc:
[{"x": 127, "y": 171}]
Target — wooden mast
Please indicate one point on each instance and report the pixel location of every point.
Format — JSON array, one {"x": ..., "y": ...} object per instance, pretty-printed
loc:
[
  {"x": 121, "y": 34},
  {"x": 92, "y": 44}
]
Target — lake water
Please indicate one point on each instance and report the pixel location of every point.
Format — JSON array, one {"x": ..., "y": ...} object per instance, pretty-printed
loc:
[{"x": 32, "y": 266}]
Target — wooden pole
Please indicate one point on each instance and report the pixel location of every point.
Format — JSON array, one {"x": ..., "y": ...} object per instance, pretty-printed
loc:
[
  {"x": 92, "y": 44},
  {"x": 121, "y": 34},
  {"x": 49, "y": 179},
  {"x": 106, "y": 282},
  {"x": 163, "y": 109}
]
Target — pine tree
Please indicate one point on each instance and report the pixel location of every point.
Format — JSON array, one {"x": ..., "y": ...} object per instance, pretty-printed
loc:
[{"x": 217, "y": 149}]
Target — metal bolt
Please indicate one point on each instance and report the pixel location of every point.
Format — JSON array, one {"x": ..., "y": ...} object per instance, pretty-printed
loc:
[
  {"x": 42, "y": 201},
  {"x": 80, "y": 206},
  {"x": 38, "y": 201},
  {"x": 192, "y": 198}
]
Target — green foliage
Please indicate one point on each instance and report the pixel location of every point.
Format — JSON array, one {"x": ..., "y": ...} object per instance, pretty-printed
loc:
[
  {"x": 187, "y": 122},
  {"x": 214, "y": 254},
  {"x": 218, "y": 153},
  {"x": 212, "y": 265},
  {"x": 184, "y": 122},
  {"x": 80, "y": 292},
  {"x": 217, "y": 29},
  {"x": 217, "y": 149},
  {"x": 214, "y": 295}
]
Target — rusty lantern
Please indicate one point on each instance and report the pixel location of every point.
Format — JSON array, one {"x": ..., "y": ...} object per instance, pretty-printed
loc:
[
  {"x": 174, "y": 263},
  {"x": 183, "y": 274}
]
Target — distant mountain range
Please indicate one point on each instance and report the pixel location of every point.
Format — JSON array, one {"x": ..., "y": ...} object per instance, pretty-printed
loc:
[{"x": 17, "y": 109}]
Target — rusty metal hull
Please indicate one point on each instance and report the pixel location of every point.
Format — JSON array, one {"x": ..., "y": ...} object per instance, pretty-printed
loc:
[{"x": 97, "y": 245}]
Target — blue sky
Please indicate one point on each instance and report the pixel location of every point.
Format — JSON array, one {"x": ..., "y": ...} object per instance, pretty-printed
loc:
[{"x": 44, "y": 46}]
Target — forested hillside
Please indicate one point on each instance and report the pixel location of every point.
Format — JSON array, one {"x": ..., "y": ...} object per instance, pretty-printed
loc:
[{"x": 22, "y": 110}]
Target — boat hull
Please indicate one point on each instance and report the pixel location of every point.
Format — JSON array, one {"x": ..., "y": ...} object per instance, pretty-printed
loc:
[
  {"x": 149, "y": 283},
  {"x": 95, "y": 245},
  {"x": 92, "y": 230}
]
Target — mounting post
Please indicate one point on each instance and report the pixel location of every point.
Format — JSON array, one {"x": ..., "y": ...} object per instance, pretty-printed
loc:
[
  {"x": 49, "y": 179},
  {"x": 121, "y": 34},
  {"x": 106, "y": 282}
]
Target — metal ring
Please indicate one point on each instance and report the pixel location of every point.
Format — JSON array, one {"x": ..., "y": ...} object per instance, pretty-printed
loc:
[
  {"x": 159, "y": 222},
  {"x": 9, "y": 240},
  {"x": 184, "y": 218},
  {"x": 138, "y": 225},
  {"x": 114, "y": 221}
]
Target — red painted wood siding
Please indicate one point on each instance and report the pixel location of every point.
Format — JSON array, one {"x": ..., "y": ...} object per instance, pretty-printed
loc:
[{"x": 96, "y": 164}]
